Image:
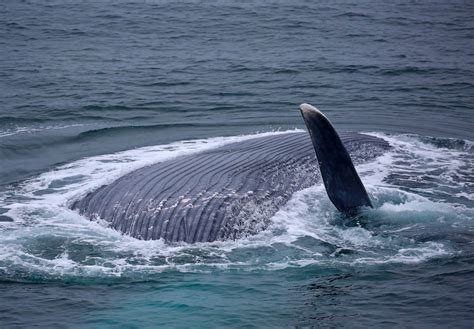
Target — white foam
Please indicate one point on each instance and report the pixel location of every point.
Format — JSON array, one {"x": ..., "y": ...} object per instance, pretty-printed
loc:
[
  {"x": 28, "y": 130},
  {"x": 408, "y": 255}
]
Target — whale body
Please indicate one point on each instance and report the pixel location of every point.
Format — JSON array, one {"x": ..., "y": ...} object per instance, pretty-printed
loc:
[{"x": 233, "y": 191}]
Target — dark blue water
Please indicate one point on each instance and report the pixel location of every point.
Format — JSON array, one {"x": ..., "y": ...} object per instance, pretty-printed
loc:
[{"x": 90, "y": 90}]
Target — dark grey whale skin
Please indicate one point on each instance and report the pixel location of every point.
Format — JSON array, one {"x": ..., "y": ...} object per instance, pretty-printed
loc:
[
  {"x": 342, "y": 183},
  {"x": 224, "y": 193}
]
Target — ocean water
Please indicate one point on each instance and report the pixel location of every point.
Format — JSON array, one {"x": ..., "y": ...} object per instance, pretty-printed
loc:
[{"x": 90, "y": 90}]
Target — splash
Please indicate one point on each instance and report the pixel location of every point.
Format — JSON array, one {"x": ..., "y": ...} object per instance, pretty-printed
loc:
[{"x": 410, "y": 223}]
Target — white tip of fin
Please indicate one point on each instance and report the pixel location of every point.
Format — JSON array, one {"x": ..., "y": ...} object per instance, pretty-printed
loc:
[{"x": 307, "y": 107}]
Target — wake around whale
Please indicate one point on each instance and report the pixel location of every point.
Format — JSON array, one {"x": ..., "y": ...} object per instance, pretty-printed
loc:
[{"x": 233, "y": 191}]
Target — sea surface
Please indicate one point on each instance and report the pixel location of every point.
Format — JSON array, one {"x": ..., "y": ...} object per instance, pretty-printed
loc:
[{"x": 90, "y": 90}]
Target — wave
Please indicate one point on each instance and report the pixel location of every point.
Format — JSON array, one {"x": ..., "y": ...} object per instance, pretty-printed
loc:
[
  {"x": 421, "y": 70},
  {"x": 353, "y": 14},
  {"x": 10, "y": 120},
  {"x": 107, "y": 131}
]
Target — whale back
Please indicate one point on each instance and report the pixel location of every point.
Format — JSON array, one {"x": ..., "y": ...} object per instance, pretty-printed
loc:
[{"x": 224, "y": 193}]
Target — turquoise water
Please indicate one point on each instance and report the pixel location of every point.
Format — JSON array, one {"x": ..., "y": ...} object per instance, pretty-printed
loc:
[{"x": 93, "y": 90}]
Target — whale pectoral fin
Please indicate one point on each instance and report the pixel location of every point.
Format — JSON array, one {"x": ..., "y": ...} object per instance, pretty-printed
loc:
[{"x": 343, "y": 185}]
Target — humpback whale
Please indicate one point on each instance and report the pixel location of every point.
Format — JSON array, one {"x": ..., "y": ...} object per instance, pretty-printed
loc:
[{"x": 233, "y": 191}]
